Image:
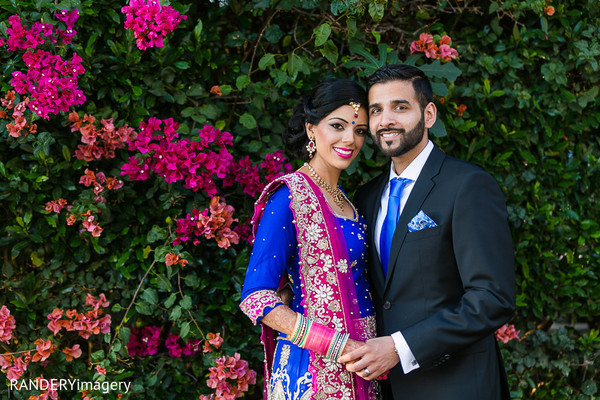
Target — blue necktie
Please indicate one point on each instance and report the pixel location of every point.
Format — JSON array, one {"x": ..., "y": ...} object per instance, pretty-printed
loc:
[{"x": 391, "y": 219}]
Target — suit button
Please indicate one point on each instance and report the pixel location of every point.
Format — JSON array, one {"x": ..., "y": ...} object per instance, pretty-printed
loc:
[{"x": 387, "y": 305}]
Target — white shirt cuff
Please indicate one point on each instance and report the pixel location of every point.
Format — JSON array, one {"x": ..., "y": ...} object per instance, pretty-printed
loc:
[{"x": 407, "y": 359}]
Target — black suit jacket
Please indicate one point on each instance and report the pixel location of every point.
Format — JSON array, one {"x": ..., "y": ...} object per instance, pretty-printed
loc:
[{"x": 449, "y": 287}]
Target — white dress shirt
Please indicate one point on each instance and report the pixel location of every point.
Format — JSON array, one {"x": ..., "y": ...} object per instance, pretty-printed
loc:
[{"x": 412, "y": 172}]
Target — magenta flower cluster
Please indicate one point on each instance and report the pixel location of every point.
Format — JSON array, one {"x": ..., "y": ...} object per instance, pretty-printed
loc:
[
  {"x": 20, "y": 38},
  {"x": 179, "y": 160},
  {"x": 177, "y": 349},
  {"x": 248, "y": 176},
  {"x": 144, "y": 341},
  {"x": 50, "y": 82},
  {"x": 150, "y": 22}
]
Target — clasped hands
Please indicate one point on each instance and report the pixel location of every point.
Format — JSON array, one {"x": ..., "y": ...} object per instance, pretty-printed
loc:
[{"x": 371, "y": 359}]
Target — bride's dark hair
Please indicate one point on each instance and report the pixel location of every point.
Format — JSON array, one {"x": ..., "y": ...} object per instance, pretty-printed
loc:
[{"x": 324, "y": 98}]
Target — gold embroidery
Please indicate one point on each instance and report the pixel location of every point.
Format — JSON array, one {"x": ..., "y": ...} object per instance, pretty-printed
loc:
[
  {"x": 285, "y": 355},
  {"x": 254, "y": 305}
]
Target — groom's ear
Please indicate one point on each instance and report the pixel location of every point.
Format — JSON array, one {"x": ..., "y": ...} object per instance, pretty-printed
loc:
[{"x": 430, "y": 115}]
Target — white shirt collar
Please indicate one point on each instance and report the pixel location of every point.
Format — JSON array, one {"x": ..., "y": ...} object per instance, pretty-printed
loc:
[{"x": 414, "y": 168}]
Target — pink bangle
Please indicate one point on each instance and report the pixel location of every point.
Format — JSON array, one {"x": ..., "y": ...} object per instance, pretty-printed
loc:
[{"x": 319, "y": 338}]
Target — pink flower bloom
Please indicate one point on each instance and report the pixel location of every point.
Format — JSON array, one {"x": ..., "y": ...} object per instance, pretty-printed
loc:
[
  {"x": 50, "y": 81},
  {"x": 174, "y": 349},
  {"x": 101, "y": 370},
  {"x": 150, "y": 22},
  {"x": 44, "y": 349},
  {"x": 7, "y": 324},
  {"x": 56, "y": 205},
  {"x": 439, "y": 50},
  {"x": 101, "y": 302},
  {"x": 72, "y": 353},
  {"x": 19, "y": 366},
  {"x": 447, "y": 53},
  {"x": 506, "y": 333}
]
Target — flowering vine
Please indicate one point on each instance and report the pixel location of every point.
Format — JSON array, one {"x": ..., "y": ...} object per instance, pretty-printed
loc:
[
  {"x": 150, "y": 22},
  {"x": 214, "y": 222},
  {"x": 49, "y": 82},
  {"x": 440, "y": 50},
  {"x": 99, "y": 143}
]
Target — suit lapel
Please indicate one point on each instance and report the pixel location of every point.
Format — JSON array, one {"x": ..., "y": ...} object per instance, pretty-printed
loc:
[
  {"x": 419, "y": 193},
  {"x": 374, "y": 202}
]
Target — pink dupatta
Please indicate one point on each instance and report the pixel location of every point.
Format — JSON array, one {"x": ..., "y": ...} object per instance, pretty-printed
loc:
[{"x": 329, "y": 294}]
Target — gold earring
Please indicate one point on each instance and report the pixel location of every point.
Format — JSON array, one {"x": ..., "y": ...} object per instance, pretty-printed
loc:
[{"x": 311, "y": 147}]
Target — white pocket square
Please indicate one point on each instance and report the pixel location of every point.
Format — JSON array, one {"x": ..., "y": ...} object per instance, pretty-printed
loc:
[{"x": 420, "y": 221}]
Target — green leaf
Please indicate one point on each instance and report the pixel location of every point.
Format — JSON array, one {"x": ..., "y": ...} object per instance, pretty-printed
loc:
[
  {"x": 150, "y": 296},
  {"x": 186, "y": 302},
  {"x": 266, "y": 61},
  {"x": 438, "y": 129},
  {"x": 156, "y": 233},
  {"x": 376, "y": 10},
  {"x": 296, "y": 64},
  {"x": 322, "y": 33},
  {"x": 242, "y": 81},
  {"x": 182, "y": 65},
  {"x": 198, "y": 29},
  {"x": 184, "y": 330},
  {"x": 248, "y": 120},
  {"x": 437, "y": 70},
  {"x": 175, "y": 313},
  {"x": 330, "y": 51},
  {"x": 170, "y": 300}
]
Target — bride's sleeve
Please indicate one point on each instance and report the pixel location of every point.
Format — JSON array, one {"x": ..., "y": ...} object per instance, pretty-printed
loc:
[{"x": 274, "y": 245}]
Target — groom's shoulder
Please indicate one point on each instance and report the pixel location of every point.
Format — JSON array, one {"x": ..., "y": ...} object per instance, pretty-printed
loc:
[{"x": 370, "y": 186}]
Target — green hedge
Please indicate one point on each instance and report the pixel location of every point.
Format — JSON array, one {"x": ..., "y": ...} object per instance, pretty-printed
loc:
[{"x": 521, "y": 101}]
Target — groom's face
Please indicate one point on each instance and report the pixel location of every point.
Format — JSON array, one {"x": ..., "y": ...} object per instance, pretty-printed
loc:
[{"x": 396, "y": 120}]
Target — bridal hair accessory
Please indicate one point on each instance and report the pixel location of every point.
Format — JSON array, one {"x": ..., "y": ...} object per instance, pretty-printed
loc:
[
  {"x": 311, "y": 147},
  {"x": 356, "y": 107}
]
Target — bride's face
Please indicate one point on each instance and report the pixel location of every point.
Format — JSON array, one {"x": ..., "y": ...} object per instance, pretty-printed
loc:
[{"x": 339, "y": 137}]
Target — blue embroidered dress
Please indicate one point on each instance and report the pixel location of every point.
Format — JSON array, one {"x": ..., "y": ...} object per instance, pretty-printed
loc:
[{"x": 276, "y": 254}]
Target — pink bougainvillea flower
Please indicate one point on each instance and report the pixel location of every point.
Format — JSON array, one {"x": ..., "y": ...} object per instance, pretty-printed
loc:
[
  {"x": 101, "y": 370},
  {"x": 72, "y": 353},
  {"x": 43, "y": 349},
  {"x": 216, "y": 89},
  {"x": 50, "y": 82},
  {"x": 96, "y": 303},
  {"x": 7, "y": 324},
  {"x": 440, "y": 50},
  {"x": 215, "y": 339},
  {"x": 172, "y": 345},
  {"x": 230, "y": 377},
  {"x": 16, "y": 370},
  {"x": 56, "y": 205},
  {"x": 507, "y": 333},
  {"x": 150, "y": 22}
]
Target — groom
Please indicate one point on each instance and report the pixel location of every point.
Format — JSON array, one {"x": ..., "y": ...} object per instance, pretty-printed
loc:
[{"x": 441, "y": 260}]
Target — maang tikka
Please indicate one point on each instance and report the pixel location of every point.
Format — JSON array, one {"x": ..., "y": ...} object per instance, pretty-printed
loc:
[{"x": 356, "y": 107}]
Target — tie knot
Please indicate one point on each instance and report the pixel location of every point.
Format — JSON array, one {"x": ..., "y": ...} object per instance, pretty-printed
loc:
[{"x": 396, "y": 186}]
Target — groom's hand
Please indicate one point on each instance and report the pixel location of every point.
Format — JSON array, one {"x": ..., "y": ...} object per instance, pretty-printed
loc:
[{"x": 377, "y": 356}]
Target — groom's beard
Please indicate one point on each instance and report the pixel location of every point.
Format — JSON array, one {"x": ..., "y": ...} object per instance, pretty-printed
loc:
[{"x": 407, "y": 140}]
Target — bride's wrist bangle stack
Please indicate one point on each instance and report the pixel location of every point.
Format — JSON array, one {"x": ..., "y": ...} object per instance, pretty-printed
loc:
[{"x": 318, "y": 338}]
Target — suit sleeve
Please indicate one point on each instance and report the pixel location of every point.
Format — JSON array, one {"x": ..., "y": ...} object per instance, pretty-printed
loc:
[{"x": 484, "y": 257}]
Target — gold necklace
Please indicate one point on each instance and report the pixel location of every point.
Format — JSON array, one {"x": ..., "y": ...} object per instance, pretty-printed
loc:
[{"x": 337, "y": 194}]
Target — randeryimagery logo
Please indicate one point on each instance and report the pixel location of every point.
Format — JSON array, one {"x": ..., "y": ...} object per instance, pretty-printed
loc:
[{"x": 59, "y": 385}]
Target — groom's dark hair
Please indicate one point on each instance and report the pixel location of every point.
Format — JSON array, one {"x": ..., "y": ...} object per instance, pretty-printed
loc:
[{"x": 405, "y": 72}]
